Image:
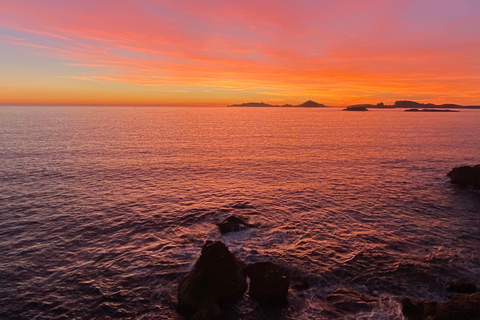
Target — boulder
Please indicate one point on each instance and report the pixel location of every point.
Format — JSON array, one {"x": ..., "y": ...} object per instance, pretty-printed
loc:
[
  {"x": 233, "y": 224},
  {"x": 268, "y": 283},
  {"x": 216, "y": 277},
  {"x": 466, "y": 176}
]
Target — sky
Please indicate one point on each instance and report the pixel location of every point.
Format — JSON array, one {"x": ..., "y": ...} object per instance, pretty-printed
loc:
[{"x": 219, "y": 52}]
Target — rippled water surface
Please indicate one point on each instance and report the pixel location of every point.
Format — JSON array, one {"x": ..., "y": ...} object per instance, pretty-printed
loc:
[{"x": 104, "y": 210}]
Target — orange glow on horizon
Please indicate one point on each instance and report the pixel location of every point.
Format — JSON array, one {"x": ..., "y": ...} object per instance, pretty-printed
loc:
[{"x": 184, "y": 53}]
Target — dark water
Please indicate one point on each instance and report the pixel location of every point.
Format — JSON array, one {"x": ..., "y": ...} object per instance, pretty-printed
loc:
[{"x": 104, "y": 210}]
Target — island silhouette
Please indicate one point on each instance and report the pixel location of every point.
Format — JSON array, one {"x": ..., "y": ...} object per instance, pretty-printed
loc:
[
  {"x": 400, "y": 104},
  {"x": 306, "y": 104}
]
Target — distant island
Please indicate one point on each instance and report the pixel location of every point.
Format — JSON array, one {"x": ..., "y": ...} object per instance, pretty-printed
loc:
[
  {"x": 306, "y": 104},
  {"x": 401, "y": 104},
  {"x": 406, "y": 104},
  {"x": 252, "y": 104},
  {"x": 357, "y": 107}
]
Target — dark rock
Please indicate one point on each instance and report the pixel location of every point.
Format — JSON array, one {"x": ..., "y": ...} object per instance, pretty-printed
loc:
[
  {"x": 464, "y": 307},
  {"x": 268, "y": 283},
  {"x": 466, "y": 176},
  {"x": 216, "y": 278},
  {"x": 419, "y": 311},
  {"x": 209, "y": 311},
  {"x": 233, "y": 224},
  {"x": 462, "y": 287},
  {"x": 351, "y": 301},
  {"x": 461, "y": 307}
]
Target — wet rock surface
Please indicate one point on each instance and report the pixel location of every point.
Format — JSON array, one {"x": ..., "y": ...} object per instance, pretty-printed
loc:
[
  {"x": 216, "y": 278},
  {"x": 460, "y": 307},
  {"x": 233, "y": 224},
  {"x": 268, "y": 283},
  {"x": 466, "y": 176}
]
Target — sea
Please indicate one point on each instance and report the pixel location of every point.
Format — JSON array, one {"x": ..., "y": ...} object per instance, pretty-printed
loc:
[{"x": 104, "y": 210}]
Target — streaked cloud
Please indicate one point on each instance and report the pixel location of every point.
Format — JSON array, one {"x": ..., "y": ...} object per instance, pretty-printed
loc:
[{"x": 339, "y": 51}]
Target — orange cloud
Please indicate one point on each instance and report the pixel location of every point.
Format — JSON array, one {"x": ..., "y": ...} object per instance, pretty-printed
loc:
[{"x": 342, "y": 52}]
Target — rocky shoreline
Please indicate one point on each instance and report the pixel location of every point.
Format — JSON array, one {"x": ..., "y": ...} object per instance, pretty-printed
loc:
[{"x": 218, "y": 281}]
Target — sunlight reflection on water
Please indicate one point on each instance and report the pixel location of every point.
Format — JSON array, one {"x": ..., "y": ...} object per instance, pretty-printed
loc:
[{"x": 105, "y": 209}]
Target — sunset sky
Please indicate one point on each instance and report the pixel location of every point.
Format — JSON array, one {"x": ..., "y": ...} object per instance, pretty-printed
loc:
[{"x": 218, "y": 52}]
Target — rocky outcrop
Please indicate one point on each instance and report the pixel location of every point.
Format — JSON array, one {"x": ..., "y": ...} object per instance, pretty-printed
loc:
[
  {"x": 216, "y": 277},
  {"x": 464, "y": 307},
  {"x": 466, "y": 176},
  {"x": 233, "y": 224},
  {"x": 268, "y": 283}
]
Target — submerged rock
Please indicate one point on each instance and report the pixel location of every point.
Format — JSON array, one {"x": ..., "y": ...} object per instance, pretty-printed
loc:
[
  {"x": 268, "y": 283},
  {"x": 233, "y": 224},
  {"x": 461, "y": 307},
  {"x": 466, "y": 176},
  {"x": 242, "y": 205},
  {"x": 216, "y": 277},
  {"x": 351, "y": 301}
]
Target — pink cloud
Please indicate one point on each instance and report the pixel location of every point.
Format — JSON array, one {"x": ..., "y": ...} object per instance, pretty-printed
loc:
[{"x": 283, "y": 44}]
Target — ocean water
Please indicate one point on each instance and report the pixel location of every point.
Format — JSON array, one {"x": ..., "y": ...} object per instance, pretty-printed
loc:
[{"x": 103, "y": 210}]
